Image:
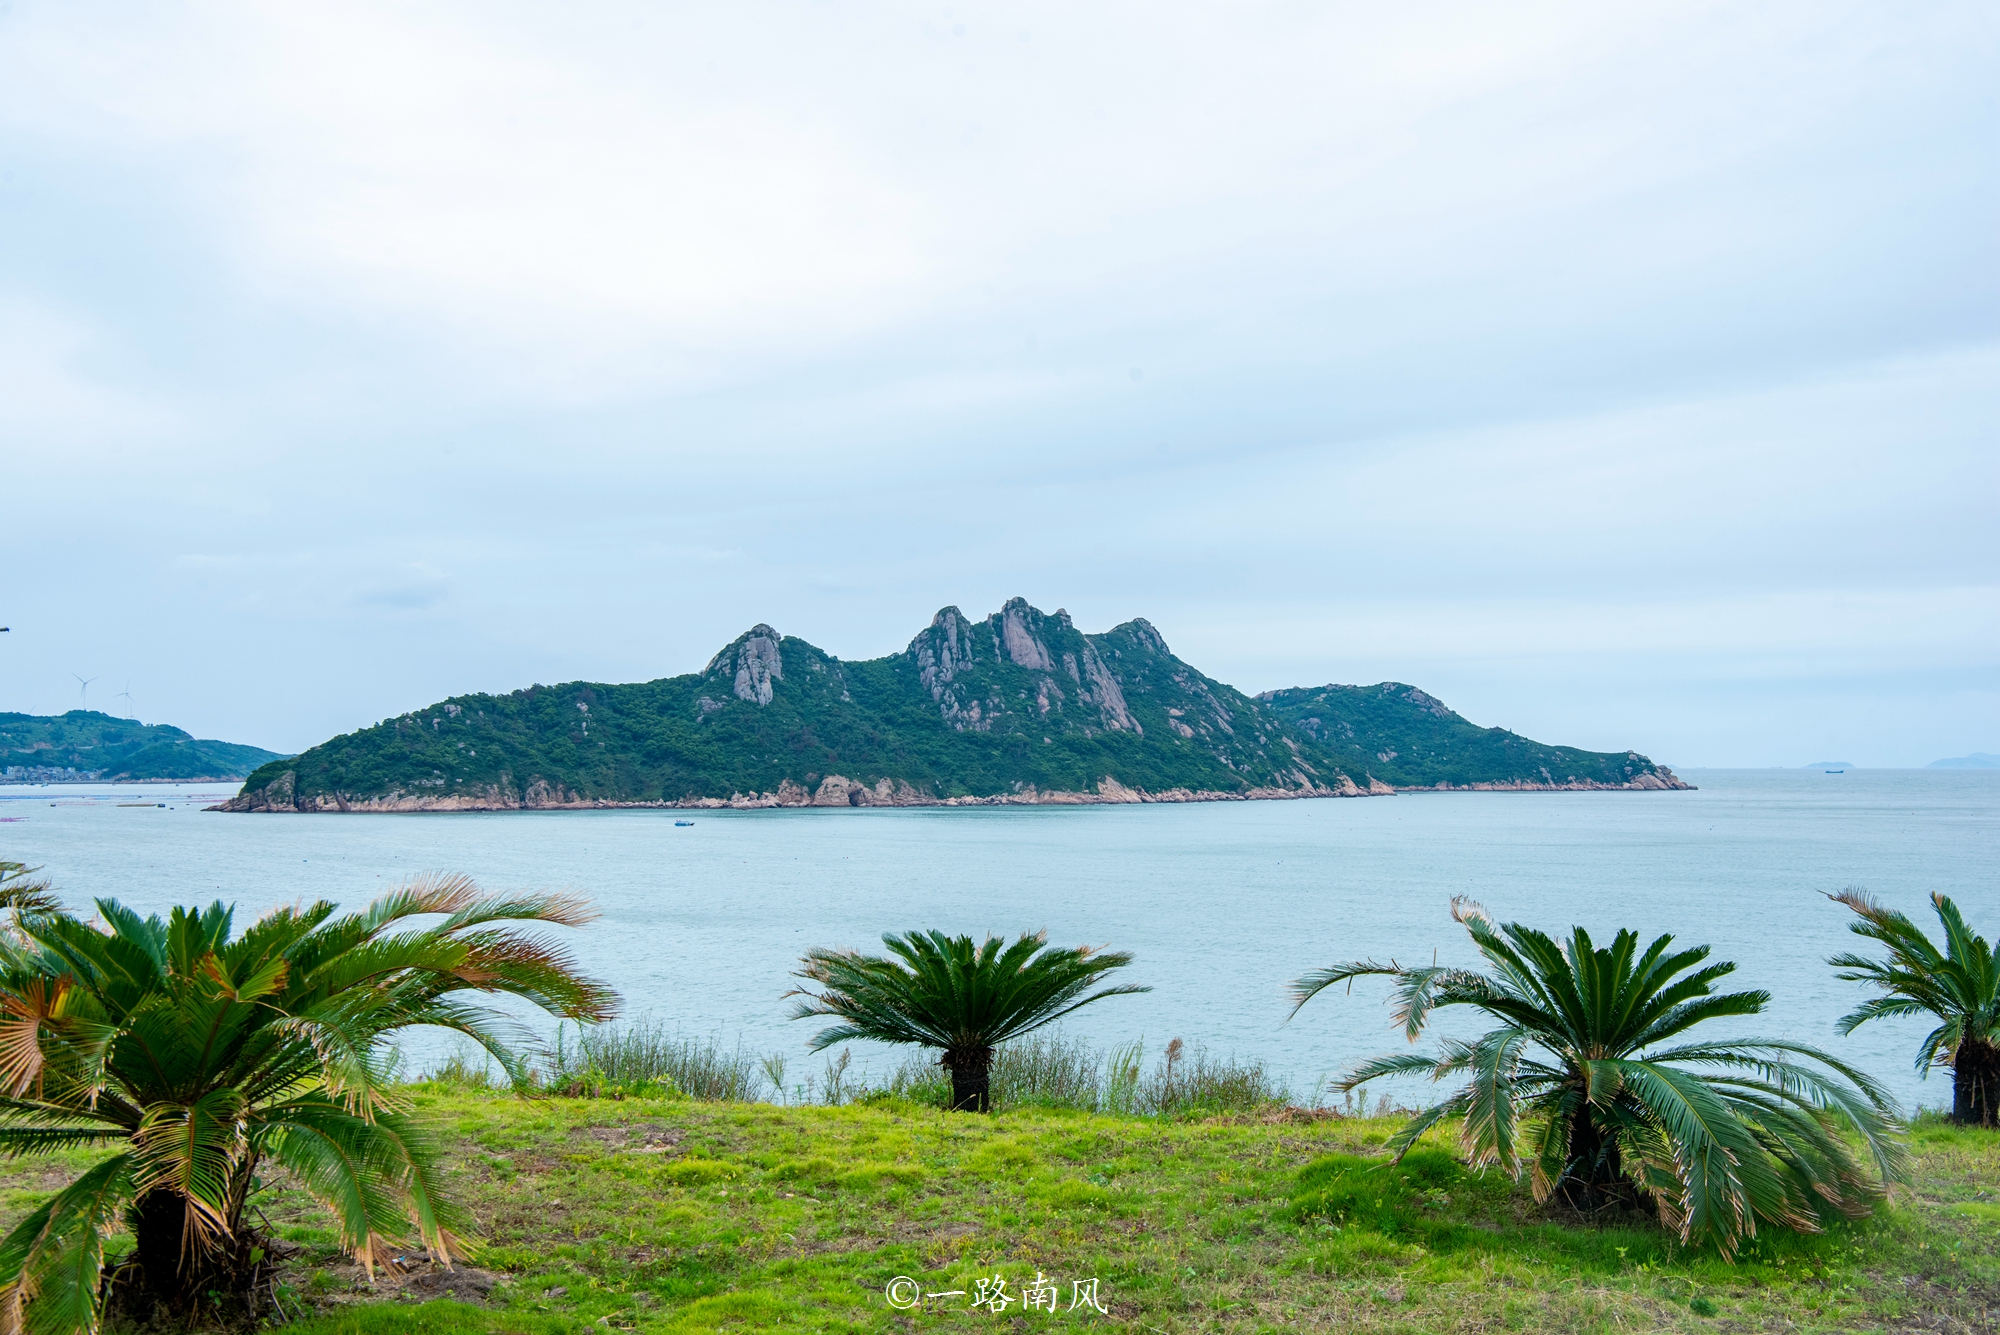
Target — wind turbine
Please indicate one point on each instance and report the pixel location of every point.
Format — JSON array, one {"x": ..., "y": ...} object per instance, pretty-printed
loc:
[
  {"x": 126, "y": 696},
  {"x": 85, "y": 692}
]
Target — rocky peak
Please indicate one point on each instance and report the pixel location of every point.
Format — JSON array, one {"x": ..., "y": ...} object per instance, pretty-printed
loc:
[
  {"x": 1427, "y": 702},
  {"x": 1141, "y": 630},
  {"x": 753, "y": 660},
  {"x": 1024, "y": 647},
  {"x": 943, "y": 649}
]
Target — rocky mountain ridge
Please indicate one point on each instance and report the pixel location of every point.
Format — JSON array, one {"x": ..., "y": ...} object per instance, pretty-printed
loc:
[{"x": 1016, "y": 708}]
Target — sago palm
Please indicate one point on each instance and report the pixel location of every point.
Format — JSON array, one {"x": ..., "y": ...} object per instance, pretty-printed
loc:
[
  {"x": 199, "y": 1054},
  {"x": 946, "y": 992},
  {"x": 1960, "y": 985},
  {"x": 1582, "y": 1089}
]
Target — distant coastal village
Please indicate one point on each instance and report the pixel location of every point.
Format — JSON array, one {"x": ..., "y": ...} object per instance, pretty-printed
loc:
[{"x": 87, "y": 746}]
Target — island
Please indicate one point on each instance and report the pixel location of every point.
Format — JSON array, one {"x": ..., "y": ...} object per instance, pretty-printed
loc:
[
  {"x": 1017, "y": 708},
  {"x": 86, "y": 746}
]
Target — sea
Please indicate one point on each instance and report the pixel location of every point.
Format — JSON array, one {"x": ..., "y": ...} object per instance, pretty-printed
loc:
[{"x": 1220, "y": 904}]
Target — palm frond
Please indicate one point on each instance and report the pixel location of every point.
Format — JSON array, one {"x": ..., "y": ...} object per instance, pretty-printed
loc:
[
  {"x": 1578, "y": 1087},
  {"x": 52, "y": 1261},
  {"x": 1491, "y": 1135},
  {"x": 1305, "y": 988},
  {"x": 1880, "y": 1008},
  {"x": 1408, "y": 1063},
  {"x": 205, "y": 1048},
  {"x": 379, "y": 1178},
  {"x": 16, "y": 1141},
  {"x": 1725, "y": 1182},
  {"x": 1959, "y": 984},
  {"x": 560, "y": 910},
  {"x": 1413, "y": 1130},
  {"x": 193, "y": 1151},
  {"x": 947, "y": 992}
]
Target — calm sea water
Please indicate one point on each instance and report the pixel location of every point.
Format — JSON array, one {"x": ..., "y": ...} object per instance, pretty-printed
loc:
[{"x": 1221, "y": 904}]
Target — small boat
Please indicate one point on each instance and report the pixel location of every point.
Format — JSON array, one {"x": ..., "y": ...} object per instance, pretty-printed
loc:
[{"x": 683, "y": 822}]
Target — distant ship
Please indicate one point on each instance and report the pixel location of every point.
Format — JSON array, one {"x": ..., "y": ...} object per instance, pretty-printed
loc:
[{"x": 1831, "y": 771}]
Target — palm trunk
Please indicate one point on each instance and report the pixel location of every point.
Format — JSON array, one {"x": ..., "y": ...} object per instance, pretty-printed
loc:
[
  {"x": 1975, "y": 1084},
  {"x": 169, "y": 1273},
  {"x": 971, "y": 1079},
  {"x": 1594, "y": 1174}
]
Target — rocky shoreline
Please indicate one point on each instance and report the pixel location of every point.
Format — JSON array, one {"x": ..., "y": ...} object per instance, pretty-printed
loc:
[{"x": 838, "y": 791}]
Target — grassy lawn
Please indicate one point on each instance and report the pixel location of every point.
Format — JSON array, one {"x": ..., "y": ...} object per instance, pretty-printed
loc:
[{"x": 689, "y": 1216}]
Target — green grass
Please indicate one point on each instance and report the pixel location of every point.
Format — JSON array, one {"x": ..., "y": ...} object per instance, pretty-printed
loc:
[{"x": 676, "y": 1215}]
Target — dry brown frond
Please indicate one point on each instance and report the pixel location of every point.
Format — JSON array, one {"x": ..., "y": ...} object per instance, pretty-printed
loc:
[
  {"x": 489, "y": 955},
  {"x": 1464, "y": 908},
  {"x": 449, "y": 1247},
  {"x": 21, "y": 1017},
  {"x": 440, "y": 892},
  {"x": 1861, "y": 902},
  {"x": 568, "y": 909},
  {"x": 14, "y": 1299},
  {"x": 365, "y": 1251}
]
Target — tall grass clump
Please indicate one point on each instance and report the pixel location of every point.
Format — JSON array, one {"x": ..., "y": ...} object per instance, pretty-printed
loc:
[
  {"x": 1047, "y": 1070},
  {"x": 645, "y": 1057},
  {"x": 1195, "y": 1082},
  {"x": 1057, "y": 1071}
]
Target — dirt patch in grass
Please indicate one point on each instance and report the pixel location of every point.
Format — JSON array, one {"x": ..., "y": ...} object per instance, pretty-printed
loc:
[{"x": 629, "y": 1137}]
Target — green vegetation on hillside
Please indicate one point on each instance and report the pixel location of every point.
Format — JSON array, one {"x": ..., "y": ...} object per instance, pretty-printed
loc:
[
  {"x": 1019, "y": 701},
  {"x": 86, "y": 744},
  {"x": 678, "y": 1216},
  {"x": 1407, "y": 738}
]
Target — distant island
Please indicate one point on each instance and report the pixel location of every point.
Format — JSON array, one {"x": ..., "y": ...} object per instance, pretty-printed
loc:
[
  {"x": 85, "y": 745},
  {"x": 1977, "y": 760},
  {"x": 1020, "y": 707}
]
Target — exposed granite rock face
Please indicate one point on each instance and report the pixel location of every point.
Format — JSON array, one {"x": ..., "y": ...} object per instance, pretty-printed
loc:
[
  {"x": 951, "y": 650},
  {"x": 278, "y": 795},
  {"x": 1024, "y": 649},
  {"x": 1109, "y": 697},
  {"x": 1430, "y": 704},
  {"x": 755, "y": 660}
]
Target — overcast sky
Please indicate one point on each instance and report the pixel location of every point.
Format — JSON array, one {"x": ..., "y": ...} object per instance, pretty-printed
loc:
[{"x": 1625, "y": 374}]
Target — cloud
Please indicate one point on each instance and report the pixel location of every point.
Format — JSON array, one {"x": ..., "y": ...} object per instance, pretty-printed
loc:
[
  {"x": 414, "y": 588},
  {"x": 649, "y": 198},
  {"x": 1529, "y": 353},
  {"x": 51, "y": 401}
]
